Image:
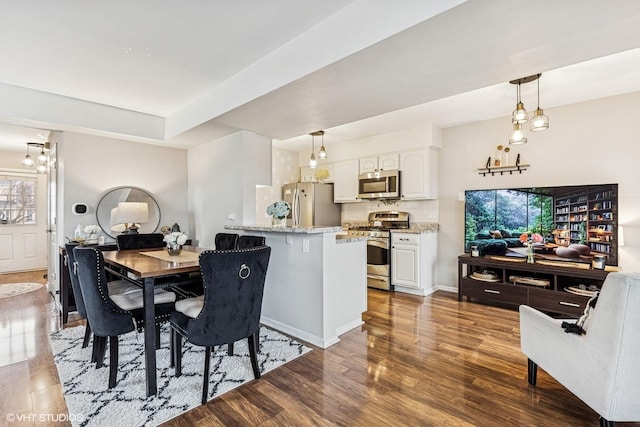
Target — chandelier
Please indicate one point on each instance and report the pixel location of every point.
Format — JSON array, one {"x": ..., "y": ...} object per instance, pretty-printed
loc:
[
  {"x": 42, "y": 161},
  {"x": 322, "y": 154},
  {"x": 519, "y": 117}
]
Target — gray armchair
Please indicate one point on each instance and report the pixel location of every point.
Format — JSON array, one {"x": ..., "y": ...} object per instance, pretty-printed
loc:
[{"x": 601, "y": 366}]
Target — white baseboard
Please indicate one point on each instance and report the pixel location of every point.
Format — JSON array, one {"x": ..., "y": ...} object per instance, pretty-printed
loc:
[{"x": 297, "y": 333}]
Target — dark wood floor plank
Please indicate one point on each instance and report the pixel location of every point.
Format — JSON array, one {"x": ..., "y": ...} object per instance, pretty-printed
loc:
[{"x": 417, "y": 361}]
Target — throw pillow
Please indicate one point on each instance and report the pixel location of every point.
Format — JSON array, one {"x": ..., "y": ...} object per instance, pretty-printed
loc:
[
  {"x": 483, "y": 235},
  {"x": 495, "y": 234},
  {"x": 492, "y": 247},
  {"x": 580, "y": 326},
  {"x": 505, "y": 234}
]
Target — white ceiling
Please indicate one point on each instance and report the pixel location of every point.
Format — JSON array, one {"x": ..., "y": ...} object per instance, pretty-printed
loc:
[{"x": 284, "y": 68}]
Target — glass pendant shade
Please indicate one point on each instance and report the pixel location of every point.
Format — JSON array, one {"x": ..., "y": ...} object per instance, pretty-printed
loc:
[
  {"x": 42, "y": 168},
  {"x": 517, "y": 135},
  {"x": 313, "y": 163},
  {"x": 519, "y": 114},
  {"x": 27, "y": 161},
  {"x": 322, "y": 154},
  {"x": 539, "y": 121},
  {"x": 42, "y": 158}
]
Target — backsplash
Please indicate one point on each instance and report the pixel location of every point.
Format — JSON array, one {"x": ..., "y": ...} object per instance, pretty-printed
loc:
[
  {"x": 420, "y": 211},
  {"x": 285, "y": 169}
]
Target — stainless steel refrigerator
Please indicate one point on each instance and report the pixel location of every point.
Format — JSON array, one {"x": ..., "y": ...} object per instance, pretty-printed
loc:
[{"x": 311, "y": 205}]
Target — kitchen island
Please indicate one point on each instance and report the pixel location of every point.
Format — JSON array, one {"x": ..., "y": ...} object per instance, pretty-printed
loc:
[{"x": 316, "y": 285}]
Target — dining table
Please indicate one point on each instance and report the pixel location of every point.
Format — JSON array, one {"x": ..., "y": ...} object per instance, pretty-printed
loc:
[{"x": 147, "y": 267}]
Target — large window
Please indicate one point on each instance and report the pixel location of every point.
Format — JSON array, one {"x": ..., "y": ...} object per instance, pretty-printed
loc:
[{"x": 17, "y": 200}]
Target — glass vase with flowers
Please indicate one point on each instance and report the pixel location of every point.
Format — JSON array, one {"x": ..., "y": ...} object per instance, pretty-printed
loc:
[
  {"x": 279, "y": 212},
  {"x": 529, "y": 239},
  {"x": 174, "y": 241}
]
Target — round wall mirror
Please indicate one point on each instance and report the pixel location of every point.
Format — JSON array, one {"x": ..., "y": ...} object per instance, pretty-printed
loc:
[{"x": 111, "y": 200}]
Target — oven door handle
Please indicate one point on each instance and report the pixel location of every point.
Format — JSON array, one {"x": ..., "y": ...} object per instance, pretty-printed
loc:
[{"x": 382, "y": 244}]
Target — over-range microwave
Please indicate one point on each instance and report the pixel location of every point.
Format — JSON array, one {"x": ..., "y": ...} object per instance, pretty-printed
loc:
[{"x": 379, "y": 185}]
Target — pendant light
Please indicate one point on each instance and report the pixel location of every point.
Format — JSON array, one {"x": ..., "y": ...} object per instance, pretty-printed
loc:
[
  {"x": 322, "y": 154},
  {"x": 517, "y": 135},
  {"x": 539, "y": 121},
  {"x": 313, "y": 163},
  {"x": 519, "y": 115},
  {"x": 42, "y": 160},
  {"x": 27, "y": 161}
]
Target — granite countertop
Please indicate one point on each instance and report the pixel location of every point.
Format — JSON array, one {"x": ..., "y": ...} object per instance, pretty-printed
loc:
[
  {"x": 343, "y": 238},
  {"x": 419, "y": 228},
  {"x": 299, "y": 230}
]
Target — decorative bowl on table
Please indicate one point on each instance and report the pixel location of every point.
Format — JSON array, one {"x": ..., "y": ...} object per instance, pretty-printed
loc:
[{"x": 486, "y": 275}]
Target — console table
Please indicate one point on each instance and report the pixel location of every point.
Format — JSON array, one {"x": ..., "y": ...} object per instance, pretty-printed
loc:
[{"x": 552, "y": 298}]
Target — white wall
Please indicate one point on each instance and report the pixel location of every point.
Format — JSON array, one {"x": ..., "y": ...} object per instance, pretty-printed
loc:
[
  {"x": 284, "y": 170},
  {"x": 91, "y": 165},
  {"x": 594, "y": 142},
  {"x": 222, "y": 176}
]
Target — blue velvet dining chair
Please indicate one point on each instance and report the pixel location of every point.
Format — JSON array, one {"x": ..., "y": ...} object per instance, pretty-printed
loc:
[
  {"x": 113, "y": 315},
  {"x": 113, "y": 287},
  {"x": 226, "y": 241},
  {"x": 228, "y": 311},
  {"x": 77, "y": 292},
  {"x": 140, "y": 241},
  {"x": 249, "y": 241}
]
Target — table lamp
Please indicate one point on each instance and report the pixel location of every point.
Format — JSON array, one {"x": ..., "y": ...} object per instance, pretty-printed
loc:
[{"x": 131, "y": 214}]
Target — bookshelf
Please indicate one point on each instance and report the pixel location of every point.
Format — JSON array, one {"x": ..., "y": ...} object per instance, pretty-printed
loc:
[{"x": 588, "y": 217}]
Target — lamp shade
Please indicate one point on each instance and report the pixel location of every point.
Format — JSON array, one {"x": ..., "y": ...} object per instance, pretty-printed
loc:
[
  {"x": 539, "y": 121},
  {"x": 113, "y": 224},
  {"x": 517, "y": 135},
  {"x": 131, "y": 213}
]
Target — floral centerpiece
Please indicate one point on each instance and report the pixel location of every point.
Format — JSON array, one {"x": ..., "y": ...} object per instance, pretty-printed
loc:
[
  {"x": 279, "y": 212},
  {"x": 321, "y": 174},
  {"x": 528, "y": 240},
  {"x": 174, "y": 241},
  {"x": 91, "y": 233}
]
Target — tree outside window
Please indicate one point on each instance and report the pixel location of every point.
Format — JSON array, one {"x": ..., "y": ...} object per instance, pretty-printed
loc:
[{"x": 17, "y": 200}]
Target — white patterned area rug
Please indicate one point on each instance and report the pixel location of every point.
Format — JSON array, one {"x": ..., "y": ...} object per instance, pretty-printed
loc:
[
  {"x": 90, "y": 403},
  {"x": 12, "y": 289}
]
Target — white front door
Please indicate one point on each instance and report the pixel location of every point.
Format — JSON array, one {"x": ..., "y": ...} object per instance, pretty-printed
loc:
[{"x": 23, "y": 221}]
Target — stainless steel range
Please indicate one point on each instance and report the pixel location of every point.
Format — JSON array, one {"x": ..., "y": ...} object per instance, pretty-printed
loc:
[{"x": 379, "y": 245}]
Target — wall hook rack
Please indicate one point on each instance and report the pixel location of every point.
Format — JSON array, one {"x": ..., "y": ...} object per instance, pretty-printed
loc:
[{"x": 510, "y": 169}]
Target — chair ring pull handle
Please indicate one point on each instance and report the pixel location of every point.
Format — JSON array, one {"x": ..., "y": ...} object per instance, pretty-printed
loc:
[{"x": 244, "y": 272}]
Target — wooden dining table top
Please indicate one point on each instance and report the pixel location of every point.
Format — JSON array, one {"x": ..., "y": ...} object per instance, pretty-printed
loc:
[{"x": 135, "y": 261}]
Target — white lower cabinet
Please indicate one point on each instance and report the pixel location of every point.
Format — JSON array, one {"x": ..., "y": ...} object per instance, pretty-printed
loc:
[{"x": 412, "y": 261}]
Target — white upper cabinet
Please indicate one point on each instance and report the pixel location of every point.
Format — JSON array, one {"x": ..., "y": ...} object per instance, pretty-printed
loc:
[
  {"x": 419, "y": 179},
  {"x": 380, "y": 163},
  {"x": 345, "y": 179}
]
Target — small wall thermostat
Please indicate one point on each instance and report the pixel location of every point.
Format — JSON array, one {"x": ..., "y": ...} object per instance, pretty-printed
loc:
[{"x": 79, "y": 208}]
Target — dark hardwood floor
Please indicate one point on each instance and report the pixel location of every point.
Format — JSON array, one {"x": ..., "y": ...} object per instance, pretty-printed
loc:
[{"x": 416, "y": 361}]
